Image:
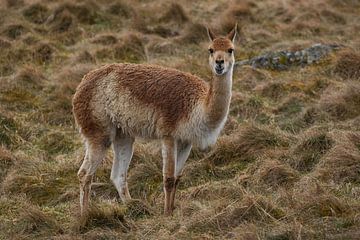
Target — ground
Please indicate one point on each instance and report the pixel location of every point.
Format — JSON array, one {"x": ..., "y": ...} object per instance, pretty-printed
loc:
[{"x": 287, "y": 165}]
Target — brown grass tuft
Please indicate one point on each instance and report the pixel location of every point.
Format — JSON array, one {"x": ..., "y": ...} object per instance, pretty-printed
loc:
[
  {"x": 40, "y": 181},
  {"x": 307, "y": 153},
  {"x": 30, "y": 77},
  {"x": 342, "y": 104},
  {"x": 4, "y": 44},
  {"x": 106, "y": 215},
  {"x": 246, "y": 144},
  {"x": 7, "y": 130},
  {"x": 43, "y": 53},
  {"x": 273, "y": 90},
  {"x": 36, "y": 13},
  {"x": 131, "y": 49},
  {"x": 121, "y": 9},
  {"x": 14, "y": 31},
  {"x": 106, "y": 39},
  {"x": 33, "y": 220},
  {"x": 175, "y": 13},
  {"x": 193, "y": 33},
  {"x": 348, "y": 65},
  {"x": 237, "y": 12},
  {"x": 250, "y": 208},
  {"x": 60, "y": 22},
  {"x": 14, "y": 3},
  {"x": 326, "y": 206},
  {"x": 136, "y": 209},
  {"x": 86, "y": 13},
  {"x": 84, "y": 57},
  {"x": 342, "y": 163},
  {"x": 274, "y": 173},
  {"x": 6, "y": 162}
]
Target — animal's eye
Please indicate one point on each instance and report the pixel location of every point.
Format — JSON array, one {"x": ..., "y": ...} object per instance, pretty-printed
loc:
[
  {"x": 230, "y": 50},
  {"x": 211, "y": 51}
]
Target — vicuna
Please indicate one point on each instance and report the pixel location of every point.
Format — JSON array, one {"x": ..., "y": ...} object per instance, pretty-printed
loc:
[{"x": 119, "y": 102}]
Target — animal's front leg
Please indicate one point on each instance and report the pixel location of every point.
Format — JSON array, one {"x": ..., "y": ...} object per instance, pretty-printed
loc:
[
  {"x": 183, "y": 151},
  {"x": 169, "y": 153}
]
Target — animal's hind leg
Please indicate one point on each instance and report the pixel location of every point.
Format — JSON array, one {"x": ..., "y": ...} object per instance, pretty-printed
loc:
[
  {"x": 169, "y": 161},
  {"x": 123, "y": 151},
  {"x": 94, "y": 155}
]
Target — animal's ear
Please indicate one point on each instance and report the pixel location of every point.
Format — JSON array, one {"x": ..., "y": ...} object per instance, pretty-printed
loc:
[
  {"x": 210, "y": 34},
  {"x": 232, "y": 34}
]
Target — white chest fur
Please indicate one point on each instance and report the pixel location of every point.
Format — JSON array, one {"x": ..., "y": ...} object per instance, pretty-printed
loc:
[{"x": 196, "y": 130}]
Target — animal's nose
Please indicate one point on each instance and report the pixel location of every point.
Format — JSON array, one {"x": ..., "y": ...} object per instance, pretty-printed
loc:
[{"x": 219, "y": 62}]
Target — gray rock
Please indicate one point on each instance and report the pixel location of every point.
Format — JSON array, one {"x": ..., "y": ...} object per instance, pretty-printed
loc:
[{"x": 283, "y": 60}]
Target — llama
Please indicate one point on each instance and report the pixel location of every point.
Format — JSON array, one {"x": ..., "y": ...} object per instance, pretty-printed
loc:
[{"x": 119, "y": 102}]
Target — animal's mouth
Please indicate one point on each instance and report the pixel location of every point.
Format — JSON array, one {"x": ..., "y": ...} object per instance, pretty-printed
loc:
[{"x": 219, "y": 70}]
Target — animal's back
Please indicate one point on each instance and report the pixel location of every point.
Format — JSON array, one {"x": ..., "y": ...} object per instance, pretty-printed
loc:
[{"x": 145, "y": 100}]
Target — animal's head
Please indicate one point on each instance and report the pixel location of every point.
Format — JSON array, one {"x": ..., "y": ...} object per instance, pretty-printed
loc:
[{"x": 221, "y": 52}]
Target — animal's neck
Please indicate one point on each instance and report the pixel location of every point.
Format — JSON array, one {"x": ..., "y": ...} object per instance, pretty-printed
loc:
[{"x": 218, "y": 100}]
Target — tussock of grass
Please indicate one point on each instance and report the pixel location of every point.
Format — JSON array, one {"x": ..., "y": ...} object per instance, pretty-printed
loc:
[
  {"x": 290, "y": 106},
  {"x": 43, "y": 53},
  {"x": 121, "y": 9},
  {"x": 348, "y": 65},
  {"x": 193, "y": 33},
  {"x": 14, "y": 31},
  {"x": 250, "y": 208},
  {"x": 105, "y": 215},
  {"x": 85, "y": 13},
  {"x": 106, "y": 39},
  {"x": 30, "y": 77},
  {"x": 4, "y": 44},
  {"x": 175, "y": 13},
  {"x": 60, "y": 22},
  {"x": 342, "y": 104},
  {"x": 40, "y": 181},
  {"x": 248, "y": 78},
  {"x": 136, "y": 209},
  {"x": 36, "y": 13},
  {"x": 56, "y": 143},
  {"x": 14, "y": 3},
  {"x": 6, "y": 162},
  {"x": 237, "y": 12},
  {"x": 274, "y": 173},
  {"x": 216, "y": 190},
  {"x": 131, "y": 49},
  {"x": 333, "y": 17},
  {"x": 246, "y": 144},
  {"x": 33, "y": 220},
  {"x": 85, "y": 57},
  {"x": 7, "y": 130},
  {"x": 342, "y": 163},
  {"x": 307, "y": 153},
  {"x": 273, "y": 90}
]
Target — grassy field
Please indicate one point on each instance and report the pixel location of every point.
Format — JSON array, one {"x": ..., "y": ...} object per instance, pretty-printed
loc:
[{"x": 287, "y": 165}]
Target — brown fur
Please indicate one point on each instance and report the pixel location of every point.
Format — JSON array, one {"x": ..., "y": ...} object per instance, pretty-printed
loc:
[
  {"x": 171, "y": 92},
  {"x": 222, "y": 44},
  {"x": 90, "y": 127}
]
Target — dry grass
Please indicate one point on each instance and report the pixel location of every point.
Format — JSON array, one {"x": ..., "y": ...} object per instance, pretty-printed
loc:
[
  {"x": 348, "y": 65},
  {"x": 287, "y": 165}
]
